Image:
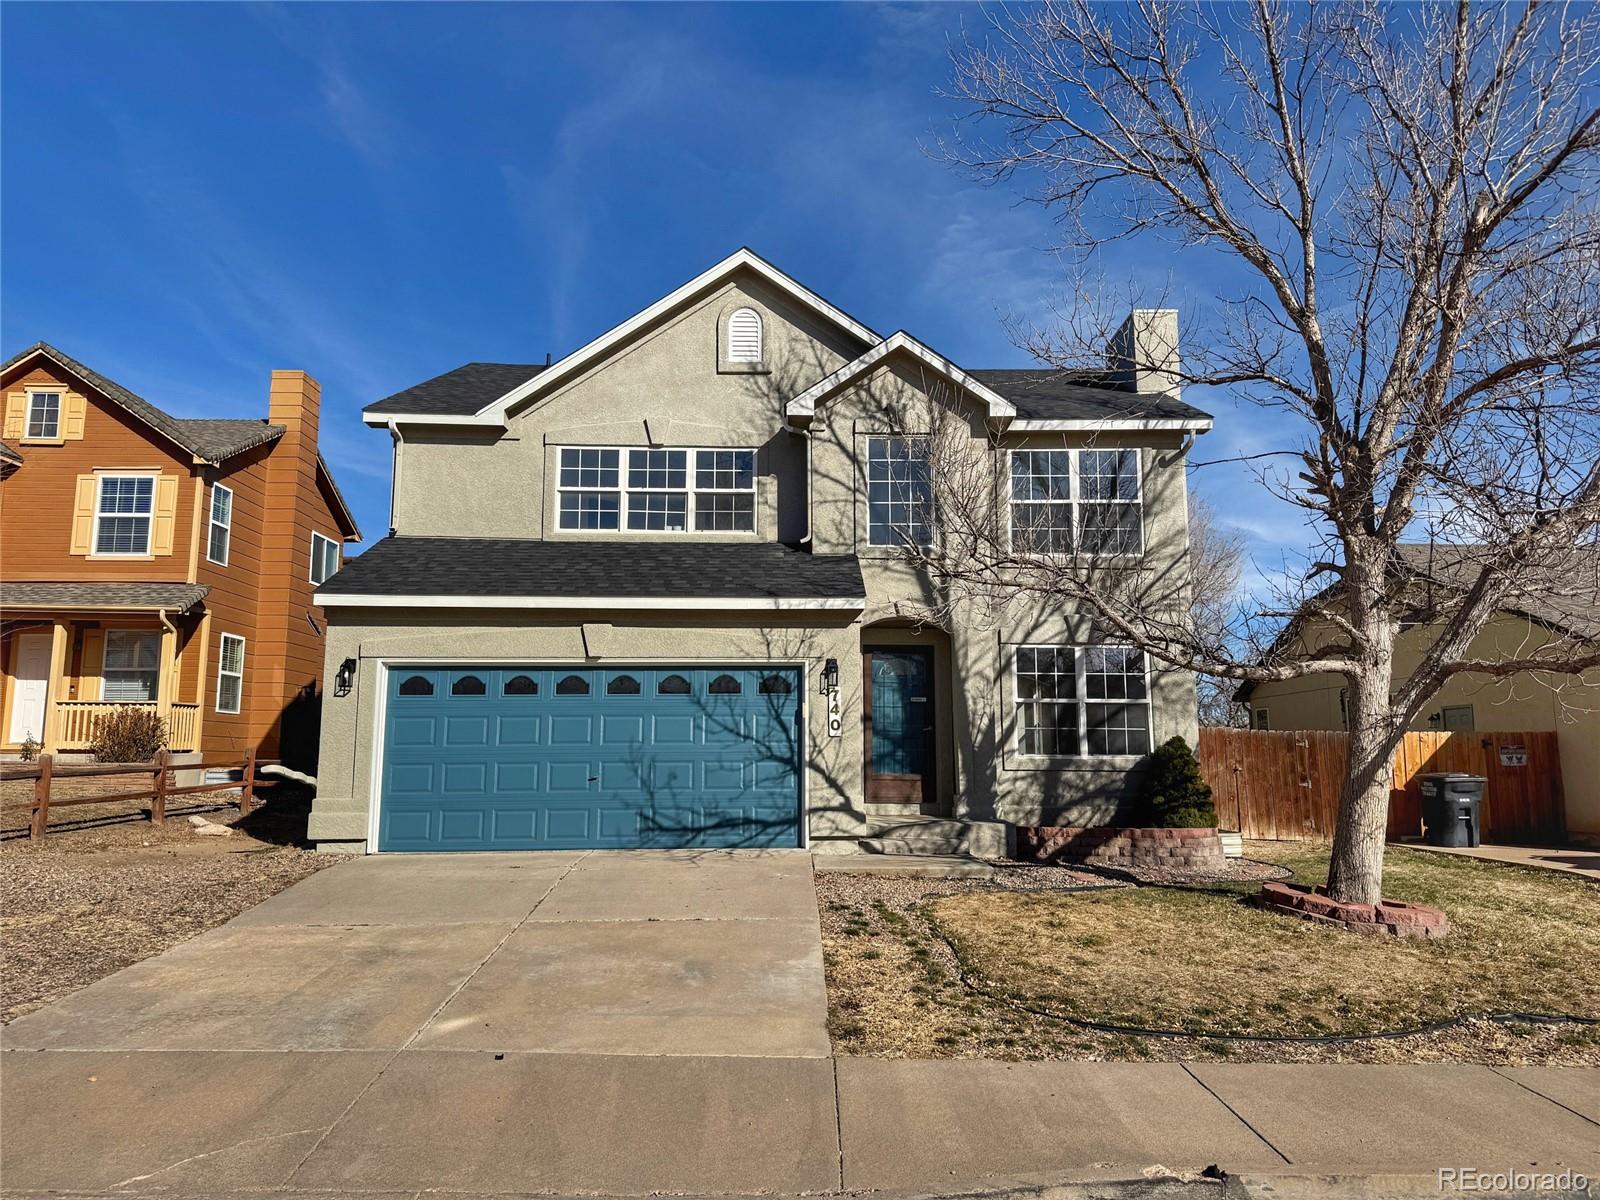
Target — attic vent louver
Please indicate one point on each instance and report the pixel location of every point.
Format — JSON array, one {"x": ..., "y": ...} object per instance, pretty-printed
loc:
[{"x": 744, "y": 336}]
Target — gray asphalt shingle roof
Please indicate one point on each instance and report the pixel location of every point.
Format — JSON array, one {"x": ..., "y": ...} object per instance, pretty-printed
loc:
[
  {"x": 441, "y": 566},
  {"x": 1041, "y": 394},
  {"x": 174, "y": 597},
  {"x": 461, "y": 392}
]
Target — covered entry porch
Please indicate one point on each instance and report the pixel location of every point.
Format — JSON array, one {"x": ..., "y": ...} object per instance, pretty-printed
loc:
[{"x": 73, "y": 652}]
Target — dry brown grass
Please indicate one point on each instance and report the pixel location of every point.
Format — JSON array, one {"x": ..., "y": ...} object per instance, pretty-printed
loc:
[{"x": 1202, "y": 959}]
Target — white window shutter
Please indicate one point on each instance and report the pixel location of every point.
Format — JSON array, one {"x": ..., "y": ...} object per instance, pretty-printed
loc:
[{"x": 744, "y": 336}]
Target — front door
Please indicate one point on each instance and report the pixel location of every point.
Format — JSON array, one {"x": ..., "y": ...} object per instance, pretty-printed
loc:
[
  {"x": 30, "y": 688},
  {"x": 899, "y": 725}
]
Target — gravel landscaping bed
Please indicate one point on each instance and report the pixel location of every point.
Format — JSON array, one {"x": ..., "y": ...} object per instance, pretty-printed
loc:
[
  {"x": 1190, "y": 953},
  {"x": 106, "y": 888}
]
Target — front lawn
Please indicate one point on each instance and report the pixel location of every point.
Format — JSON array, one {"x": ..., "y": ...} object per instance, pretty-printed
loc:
[{"x": 1202, "y": 959}]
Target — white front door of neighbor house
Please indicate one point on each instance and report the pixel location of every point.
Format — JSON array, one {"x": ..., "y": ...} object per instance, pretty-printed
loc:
[{"x": 31, "y": 685}]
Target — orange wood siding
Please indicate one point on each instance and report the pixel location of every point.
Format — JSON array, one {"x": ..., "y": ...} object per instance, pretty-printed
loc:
[{"x": 37, "y": 500}]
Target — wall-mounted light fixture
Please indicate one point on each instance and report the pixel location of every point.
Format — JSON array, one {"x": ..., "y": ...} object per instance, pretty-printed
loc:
[
  {"x": 830, "y": 676},
  {"x": 344, "y": 678}
]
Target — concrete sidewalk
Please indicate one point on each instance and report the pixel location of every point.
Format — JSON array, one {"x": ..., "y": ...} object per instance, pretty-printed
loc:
[{"x": 643, "y": 1023}]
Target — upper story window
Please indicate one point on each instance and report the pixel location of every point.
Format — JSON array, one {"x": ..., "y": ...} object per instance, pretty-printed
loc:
[
  {"x": 324, "y": 557},
  {"x": 1087, "y": 500},
  {"x": 656, "y": 490},
  {"x": 220, "y": 536},
  {"x": 1077, "y": 701},
  {"x": 899, "y": 492},
  {"x": 122, "y": 514},
  {"x": 744, "y": 336},
  {"x": 44, "y": 415}
]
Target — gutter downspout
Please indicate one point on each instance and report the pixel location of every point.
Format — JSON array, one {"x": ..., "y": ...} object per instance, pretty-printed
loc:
[
  {"x": 806, "y": 433},
  {"x": 394, "y": 472},
  {"x": 166, "y": 682}
]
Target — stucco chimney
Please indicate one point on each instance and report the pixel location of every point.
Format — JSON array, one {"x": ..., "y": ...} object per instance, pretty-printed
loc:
[{"x": 1144, "y": 351}]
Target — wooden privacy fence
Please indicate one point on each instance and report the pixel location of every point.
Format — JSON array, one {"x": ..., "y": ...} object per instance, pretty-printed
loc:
[
  {"x": 45, "y": 772},
  {"x": 1285, "y": 786}
]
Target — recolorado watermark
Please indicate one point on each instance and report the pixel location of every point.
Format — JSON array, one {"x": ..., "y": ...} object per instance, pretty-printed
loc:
[{"x": 1476, "y": 1179}]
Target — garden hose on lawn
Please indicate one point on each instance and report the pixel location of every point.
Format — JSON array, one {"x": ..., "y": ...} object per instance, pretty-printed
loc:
[{"x": 1318, "y": 1039}]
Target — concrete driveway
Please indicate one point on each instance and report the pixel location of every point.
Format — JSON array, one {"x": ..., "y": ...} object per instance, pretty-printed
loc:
[{"x": 625, "y": 1024}]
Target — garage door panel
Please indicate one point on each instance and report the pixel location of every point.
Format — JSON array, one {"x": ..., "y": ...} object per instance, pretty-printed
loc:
[{"x": 551, "y": 757}]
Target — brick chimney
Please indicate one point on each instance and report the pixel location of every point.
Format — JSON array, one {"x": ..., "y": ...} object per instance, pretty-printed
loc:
[{"x": 1143, "y": 353}]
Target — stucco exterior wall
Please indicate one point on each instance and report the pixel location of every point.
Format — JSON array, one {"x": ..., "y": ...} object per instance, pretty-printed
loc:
[{"x": 1529, "y": 701}]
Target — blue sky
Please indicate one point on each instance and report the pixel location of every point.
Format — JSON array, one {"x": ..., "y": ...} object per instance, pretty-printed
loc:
[{"x": 197, "y": 194}]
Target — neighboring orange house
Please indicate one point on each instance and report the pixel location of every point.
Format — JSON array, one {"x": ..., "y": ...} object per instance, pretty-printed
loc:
[{"x": 168, "y": 562}]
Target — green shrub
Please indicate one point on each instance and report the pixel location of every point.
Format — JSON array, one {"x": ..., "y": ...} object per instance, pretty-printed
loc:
[
  {"x": 127, "y": 735},
  {"x": 29, "y": 748},
  {"x": 1175, "y": 796}
]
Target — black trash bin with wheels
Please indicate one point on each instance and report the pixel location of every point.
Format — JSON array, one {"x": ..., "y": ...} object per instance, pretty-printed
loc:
[{"x": 1450, "y": 803}]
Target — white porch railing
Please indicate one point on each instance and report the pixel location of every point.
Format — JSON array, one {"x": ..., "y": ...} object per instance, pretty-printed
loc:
[{"x": 77, "y": 719}]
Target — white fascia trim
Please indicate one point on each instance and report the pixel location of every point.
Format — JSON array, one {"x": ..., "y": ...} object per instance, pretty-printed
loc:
[
  {"x": 388, "y": 420},
  {"x": 1097, "y": 424},
  {"x": 494, "y": 413},
  {"x": 690, "y": 603},
  {"x": 805, "y": 404}
]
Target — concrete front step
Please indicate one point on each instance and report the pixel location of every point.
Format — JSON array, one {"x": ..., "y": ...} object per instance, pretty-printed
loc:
[{"x": 921, "y": 835}]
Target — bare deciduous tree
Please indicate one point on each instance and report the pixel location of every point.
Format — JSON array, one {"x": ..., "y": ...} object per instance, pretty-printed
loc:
[
  {"x": 1216, "y": 566},
  {"x": 1407, "y": 194}
]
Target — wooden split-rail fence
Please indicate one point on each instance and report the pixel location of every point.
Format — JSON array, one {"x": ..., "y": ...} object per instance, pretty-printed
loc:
[
  {"x": 46, "y": 771},
  {"x": 1285, "y": 785}
]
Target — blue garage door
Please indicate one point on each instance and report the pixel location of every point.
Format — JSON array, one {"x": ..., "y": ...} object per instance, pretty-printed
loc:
[{"x": 546, "y": 758}]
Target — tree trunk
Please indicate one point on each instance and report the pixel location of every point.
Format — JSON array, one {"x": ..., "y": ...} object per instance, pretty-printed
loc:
[{"x": 1355, "y": 872}]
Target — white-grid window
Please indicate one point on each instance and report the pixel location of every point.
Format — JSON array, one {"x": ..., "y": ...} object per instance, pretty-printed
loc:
[
  {"x": 324, "y": 558},
  {"x": 130, "y": 667},
  {"x": 744, "y": 336},
  {"x": 44, "y": 415},
  {"x": 1081, "y": 701},
  {"x": 899, "y": 492},
  {"x": 1083, "y": 500},
  {"x": 230, "y": 673},
  {"x": 1041, "y": 501},
  {"x": 220, "y": 536},
  {"x": 122, "y": 514},
  {"x": 656, "y": 490}
]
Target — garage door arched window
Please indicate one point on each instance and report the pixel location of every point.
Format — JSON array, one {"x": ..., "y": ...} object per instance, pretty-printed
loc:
[
  {"x": 775, "y": 685},
  {"x": 673, "y": 685},
  {"x": 725, "y": 685},
  {"x": 521, "y": 685},
  {"x": 468, "y": 685},
  {"x": 572, "y": 685},
  {"x": 417, "y": 685},
  {"x": 622, "y": 685}
]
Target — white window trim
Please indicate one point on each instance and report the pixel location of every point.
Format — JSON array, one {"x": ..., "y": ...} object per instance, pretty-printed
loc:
[
  {"x": 311, "y": 572},
  {"x": 623, "y": 492},
  {"x": 60, "y": 393},
  {"x": 155, "y": 671},
  {"x": 1081, "y": 687},
  {"x": 866, "y": 489},
  {"x": 212, "y": 524},
  {"x": 222, "y": 641},
  {"x": 101, "y": 475},
  {"x": 1074, "y": 473}
]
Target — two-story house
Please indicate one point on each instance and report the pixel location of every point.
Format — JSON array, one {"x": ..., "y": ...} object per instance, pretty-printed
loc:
[
  {"x": 654, "y": 593},
  {"x": 151, "y": 560}
]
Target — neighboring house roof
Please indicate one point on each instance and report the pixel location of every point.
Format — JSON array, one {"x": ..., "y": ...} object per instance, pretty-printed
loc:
[
  {"x": 493, "y": 410},
  {"x": 1569, "y": 603},
  {"x": 212, "y": 441},
  {"x": 1041, "y": 394},
  {"x": 173, "y": 597},
  {"x": 462, "y": 391},
  {"x": 523, "y": 573}
]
